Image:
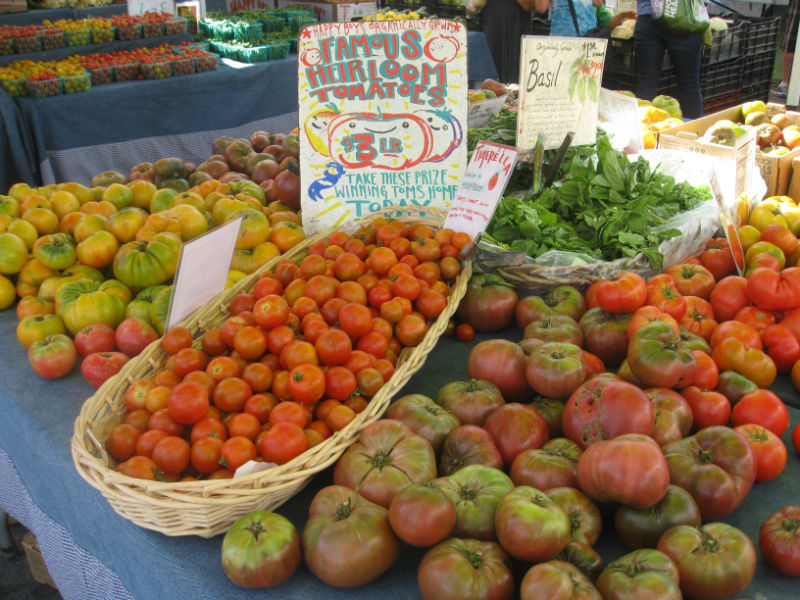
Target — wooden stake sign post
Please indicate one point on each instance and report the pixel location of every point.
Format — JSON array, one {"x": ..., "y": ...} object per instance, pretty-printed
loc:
[
  {"x": 383, "y": 117},
  {"x": 559, "y": 81}
]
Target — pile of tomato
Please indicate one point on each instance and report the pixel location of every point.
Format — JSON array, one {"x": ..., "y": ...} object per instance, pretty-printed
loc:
[
  {"x": 295, "y": 361},
  {"x": 648, "y": 398}
]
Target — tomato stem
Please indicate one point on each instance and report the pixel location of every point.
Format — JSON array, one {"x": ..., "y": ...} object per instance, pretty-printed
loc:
[
  {"x": 790, "y": 525},
  {"x": 344, "y": 510}
]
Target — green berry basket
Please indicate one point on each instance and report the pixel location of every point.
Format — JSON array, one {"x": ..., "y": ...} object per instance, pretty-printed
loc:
[
  {"x": 129, "y": 32},
  {"x": 253, "y": 54},
  {"x": 156, "y": 70},
  {"x": 207, "y": 63},
  {"x": 175, "y": 25},
  {"x": 278, "y": 50},
  {"x": 104, "y": 35},
  {"x": 101, "y": 75},
  {"x": 15, "y": 87},
  {"x": 297, "y": 23},
  {"x": 7, "y": 46},
  {"x": 151, "y": 30},
  {"x": 272, "y": 24},
  {"x": 29, "y": 43},
  {"x": 53, "y": 40},
  {"x": 126, "y": 72},
  {"x": 43, "y": 88},
  {"x": 247, "y": 32},
  {"x": 183, "y": 66},
  {"x": 74, "y": 84},
  {"x": 78, "y": 37}
]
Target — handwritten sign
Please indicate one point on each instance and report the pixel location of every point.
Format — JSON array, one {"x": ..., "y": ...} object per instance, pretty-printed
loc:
[
  {"x": 480, "y": 112},
  {"x": 383, "y": 117},
  {"x": 139, "y": 7},
  {"x": 194, "y": 10},
  {"x": 202, "y": 270},
  {"x": 488, "y": 172},
  {"x": 233, "y": 6},
  {"x": 559, "y": 81},
  {"x": 728, "y": 220},
  {"x": 618, "y": 115}
]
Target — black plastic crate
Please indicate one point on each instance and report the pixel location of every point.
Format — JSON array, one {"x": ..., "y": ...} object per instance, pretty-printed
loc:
[
  {"x": 761, "y": 35},
  {"x": 757, "y": 69},
  {"x": 721, "y": 78},
  {"x": 626, "y": 80},
  {"x": 447, "y": 11},
  {"x": 621, "y": 56},
  {"x": 718, "y": 103},
  {"x": 759, "y": 91},
  {"x": 726, "y": 45}
]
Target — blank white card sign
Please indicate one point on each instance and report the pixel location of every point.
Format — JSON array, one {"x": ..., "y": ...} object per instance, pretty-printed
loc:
[{"x": 202, "y": 270}]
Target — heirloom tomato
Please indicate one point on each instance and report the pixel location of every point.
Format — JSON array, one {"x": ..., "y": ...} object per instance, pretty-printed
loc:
[
  {"x": 672, "y": 415},
  {"x": 530, "y": 525},
  {"x": 557, "y": 580},
  {"x": 699, "y": 317},
  {"x": 387, "y": 457},
  {"x": 779, "y": 540},
  {"x": 422, "y": 515},
  {"x": 465, "y": 569},
  {"x": 714, "y": 560},
  {"x": 771, "y": 290},
  {"x": 732, "y": 355},
  {"x": 52, "y": 357},
  {"x": 648, "y": 314},
  {"x": 556, "y": 369},
  {"x": 475, "y": 490},
  {"x": 561, "y": 300},
  {"x": 662, "y": 294},
  {"x": 468, "y": 445},
  {"x": 145, "y": 263},
  {"x": 35, "y": 328},
  {"x": 424, "y": 417},
  {"x": 628, "y": 468},
  {"x": 728, "y": 297},
  {"x": 515, "y": 428},
  {"x": 734, "y": 386},
  {"x": 585, "y": 520},
  {"x": 503, "y": 363},
  {"x": 555, "y": 328},
  {"x": 643, "y": 527},
  {"x": 83, "y": 302},
  {"x": 782, "y": 346},
  {"x": 762, "y": 407},
  {"x": 260, "y": 550},
  {"x": 489, "y": 303},
  {"x": 658, "y": 358},
  {"x": 692, "y": 280},
  {"x": 99, "y": 366},
  {"x": 606, "y": 335},
  {"x": 604, "y": 407},
  {"x": 716, "y": 466},
  {"x": 134, "y": 335},
  {"x": 97, "y": 337},
  {"x": 347, "y": 540},
  {"x": 708, "y": 407},
  {"x": 584, "y": 557},
  {"x": 718, "y": 258},
  {"x": 644, "y": 573},
  {"x": 553, "y": 465}
]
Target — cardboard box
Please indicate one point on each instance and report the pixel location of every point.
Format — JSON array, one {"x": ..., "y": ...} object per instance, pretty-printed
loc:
[
  {"x": 9, "y": 6},
  {"x": 794, "y": 181},
  {"x": 36, "y": 561},
  {"x": 334, "y": 11},
  {"x": 776, "y": 170}
]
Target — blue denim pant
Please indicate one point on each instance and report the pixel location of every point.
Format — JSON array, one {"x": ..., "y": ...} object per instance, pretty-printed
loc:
[{"x": 684, "y": 50}]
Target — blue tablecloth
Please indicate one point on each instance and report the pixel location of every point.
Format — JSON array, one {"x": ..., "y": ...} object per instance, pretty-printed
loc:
[{"x": 94, "y": 553}]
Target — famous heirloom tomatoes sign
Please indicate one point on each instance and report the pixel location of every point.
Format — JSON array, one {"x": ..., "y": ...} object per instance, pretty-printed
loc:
[
  {"x": 487, "y": 175},
  {"x": 559, "y": 81},
  {"x": 383, "y": 115}
]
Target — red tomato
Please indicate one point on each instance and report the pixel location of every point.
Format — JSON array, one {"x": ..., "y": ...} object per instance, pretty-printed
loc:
[
  {"x": 271, "y": 311},
  {"x": 796, "y": 438},
  {"x": 728, "y": 297},
  {"x": 624, "y": 293},
  {"x": 188, "y": 402},
  {"x": 692, "y": 280},
  {"x": 283, "y": 442},
  {"x": 422, "y": 515},
  {"x": 97, "y": 337},
  {"x": 762, "y": 407},
  {"x": 782, "y": 346},
  {"x": 699, "y": 317},
  {"x": 708, "y": 407},
  {"x": 465, "y": 332},
  {"x": 662, "y": 293},
  {"x": 250, "y": 342},
  {"x": 768, "y": 449},
  {"x": 779, "y": 540},
  {"x": 758, "y": 318},
  {"x": 718, "y": 258},
  {"x": 306, "y": 383},
  {"x": 172, "y": 454},
  {"x": 236, "y": 451},
  {"x": 175, "y": 339},
  {"x": 771, "y": 290},
  {"x": 96, "y": 367},
  {"x": 738, "y": 329},
  {"x": 121, "y": 442}
]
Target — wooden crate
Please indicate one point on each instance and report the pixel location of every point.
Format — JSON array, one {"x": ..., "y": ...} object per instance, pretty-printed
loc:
[
  {"x": 36, "y": 561},
  {"x": 9, "y": 6}
]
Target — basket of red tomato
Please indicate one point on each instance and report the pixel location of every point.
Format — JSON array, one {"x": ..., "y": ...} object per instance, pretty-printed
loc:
[{"x": 239, "y": 406}]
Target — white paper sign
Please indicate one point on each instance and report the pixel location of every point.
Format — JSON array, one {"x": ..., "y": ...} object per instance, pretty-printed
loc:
[
  {"x": 139, "y": 7},
  {"x": 194, "y": 10},
  {"x": 728, "y": 220},
  {"x": 489, "y": 170},
  {"x": 202, "y": 270},
  {"x": 559, "y": 84},
  {"x": 480, "y": 112},
  {"x": 618, "y": 115},
  {"x": 383, "y": 117}
]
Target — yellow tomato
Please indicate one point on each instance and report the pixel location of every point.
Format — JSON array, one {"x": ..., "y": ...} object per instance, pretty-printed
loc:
[{"x": 7, "y": 293}]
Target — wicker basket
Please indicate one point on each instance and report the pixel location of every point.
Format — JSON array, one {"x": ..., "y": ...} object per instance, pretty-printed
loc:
[{"x": 208, "y": 508}]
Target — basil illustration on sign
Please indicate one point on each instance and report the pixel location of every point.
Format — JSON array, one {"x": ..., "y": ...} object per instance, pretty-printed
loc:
[
  {"x": 442, "y": 121},
  {"x": 583, "y": 78},
  {"x": 329, "y": 178},
  {"x": 380, "y": 140}
]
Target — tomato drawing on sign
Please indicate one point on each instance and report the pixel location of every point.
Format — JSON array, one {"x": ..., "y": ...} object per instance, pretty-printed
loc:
[
  {"x": 442, "y": 48},
  {"x": 446, "y": 130},
  {"x": 316, "y": 127}
]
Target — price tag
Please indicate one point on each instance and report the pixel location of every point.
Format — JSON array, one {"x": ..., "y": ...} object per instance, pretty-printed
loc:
[
  {"x": 486, "y": 178},
  {"x": 139, "y": 7},
  {"x": 480, "y": 112},
  {"x": 728, "y": 220},
  {"x": 202, "y": 270},
  {"x": 618, "y": 115},
  {"x": 383, "y": 117},
  {"x": 559, "y": 84}
]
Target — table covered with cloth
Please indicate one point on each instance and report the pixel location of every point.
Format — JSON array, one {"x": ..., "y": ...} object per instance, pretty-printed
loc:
[
  {"x": 115, "y": 126},
  {"x": 92, "y": 552}
]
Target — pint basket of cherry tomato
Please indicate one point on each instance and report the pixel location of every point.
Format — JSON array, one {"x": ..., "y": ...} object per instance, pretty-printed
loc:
[{"x": 238, "y": 406}]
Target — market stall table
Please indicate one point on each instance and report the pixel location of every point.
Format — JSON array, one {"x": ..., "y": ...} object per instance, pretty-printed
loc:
[
  {"x": 92, "y": 552},
  {"x": 35, "y": 17}
]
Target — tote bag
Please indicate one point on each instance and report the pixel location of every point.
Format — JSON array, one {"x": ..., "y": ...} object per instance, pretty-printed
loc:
[{"x": 681, "y": 16}]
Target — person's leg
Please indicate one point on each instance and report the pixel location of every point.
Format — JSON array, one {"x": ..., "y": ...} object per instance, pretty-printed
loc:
[
  {"x": 789, "y": 41},
  {"x": 649, "y": 56},
  {"x": 685, "y": 52}
]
